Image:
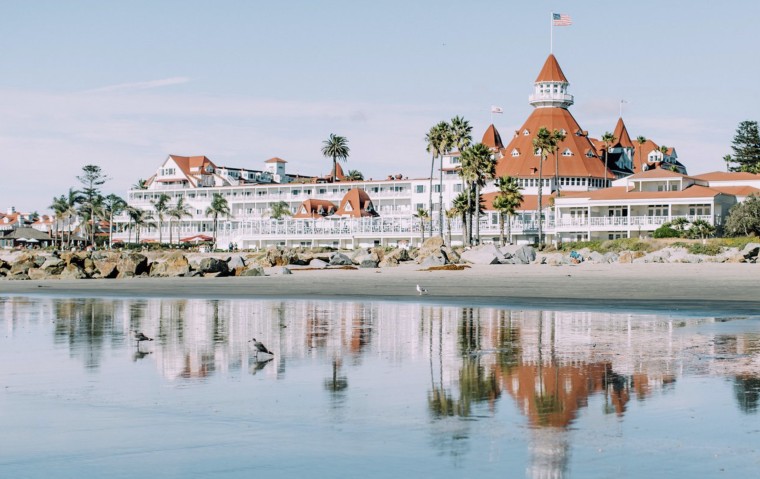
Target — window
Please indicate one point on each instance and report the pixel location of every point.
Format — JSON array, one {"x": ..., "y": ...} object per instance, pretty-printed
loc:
[
  {"x": 458, "y": 188},
  {"x": 296, "y": 192},
  {"x": 438, "y": 188},
  {"x": 322, "y": 191},
  {"x": 455, "y": 160},
  {"x": 420, "y": 189},
  {"x": 515, "y": 152},
  {"x": 526, "y": 133},
  {"x": 419, "y": 206},
  {"x": 567, "y": 152}
]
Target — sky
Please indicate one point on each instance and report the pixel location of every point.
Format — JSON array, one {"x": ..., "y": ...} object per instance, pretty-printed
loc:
[{"x": 124, "y": 84}]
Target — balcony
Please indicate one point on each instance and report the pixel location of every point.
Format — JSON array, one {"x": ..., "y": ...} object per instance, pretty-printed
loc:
[{"x": 615, "y": 223}]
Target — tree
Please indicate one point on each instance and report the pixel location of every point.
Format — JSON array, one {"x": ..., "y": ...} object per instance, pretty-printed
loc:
[
  {"x": 355, "y": 175},
  {"x": 546, "y": 143},
  {"x": 439, "y": 142},
  {"x": 461, "y": 139},
  {"x": 140, "y": 184},
  {"x": 137, "y": 219},
  {"x": 459, "y": 206},
  {"x": 640, "y": 140},
  {"x": 219, "y": 207},
  {"x": 679, "y": 224},
  {"x": 335, "y": 147},
  {"x": 71, "y": 200},
  {"x": 161, "y": 206},
  {"x": 507, "y": 200},
  {"x": 423, "y": 215},
  {"x": 92, "y": 178},
  {"x": 478, "y": 166},
  {"x": 744, "y": 218},
  {"x": 59, "y": 208},
  {"x": 279, "y": 209},
  {"x": 701, "y": 229},
  {"x": 608, "y": 139},
  {"x": 746, "y": 148},
  {"x": 177, "y": 212},
  {"x": 112, "y": 205}
]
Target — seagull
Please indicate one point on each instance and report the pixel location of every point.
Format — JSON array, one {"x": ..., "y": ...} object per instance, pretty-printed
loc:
[
  {"x": 141, "y": 337},
  {"x": 421, "y": 290},
  {"x": 260, "y": 348}
]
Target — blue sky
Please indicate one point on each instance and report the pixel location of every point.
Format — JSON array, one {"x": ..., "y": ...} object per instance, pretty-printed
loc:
[{"x": 123, "y": 84}]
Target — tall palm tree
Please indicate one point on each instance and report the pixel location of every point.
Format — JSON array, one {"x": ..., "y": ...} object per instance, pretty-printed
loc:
[
  {"x": 138, "y": 218},
  {"x": 545, "y": 143},
  {"x": 640, "y": 140},
  {"x": 478, "y": 166},
  {"x": 507, "y": 200},
  {"x": 459, "y": 206},
  {"x": 71, "y": 200},
  {"x": 608, "y": 139},
  {"x": 461, "y": 139},
  {"x": 439, "y": 141},
  {"x": 112, "y": 205},
  {"x": 218, "y": 207},
  {"x": 335, "y": 147},
  {"x": 161, "y": 207},
  {"x": 423, "y": 215},
  {"x": 140, "y": 184},
  {"x": 59, "y": 208},
  {"x": 355, "y": 175},
  {"x": 177, "y": 212}
]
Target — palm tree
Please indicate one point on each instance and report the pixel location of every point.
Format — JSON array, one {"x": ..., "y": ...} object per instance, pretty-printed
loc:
[
  {"x": 140, "y": 184},
  {"x": 701, "y": 229},
  {"x": 112, "y": 205},
  {"x": 138, "y": 218},
  {"x": 664, "y": 151},
  {"x": 439, "y": 142},
  {"x": 279, "y": 209},
  {"x": 459, "y": 206},
  {"x": 161, "y": 206},
  {"x": 608, "y": 139},
  {"x": 423, "y": 215},
  {"x": 355, "y": 175},
  {"x": 640, "y": 140},
  {"x": 59, "y": 208},
  {"x": 679, "y": 223},
  {"x": 218, "y": 207},
  {"x": 335, "y": 147},
  {"x": 177, "y": 212},
  {"x": 508, "y": 199},
  {"x": 71, "y": 200},
  {"x": 545, "y": 143},
  {"x": 478, "y": 166},
  {"x": 460, "y": 138}
]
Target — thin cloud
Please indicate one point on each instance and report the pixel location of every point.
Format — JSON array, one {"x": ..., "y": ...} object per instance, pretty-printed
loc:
[{"x": 143, "y": 85}]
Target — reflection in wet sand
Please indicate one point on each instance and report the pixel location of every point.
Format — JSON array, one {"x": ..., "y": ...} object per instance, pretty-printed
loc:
[{"x": 547, "y": 364}]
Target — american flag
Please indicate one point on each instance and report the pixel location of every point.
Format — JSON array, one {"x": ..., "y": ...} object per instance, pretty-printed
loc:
[{"x": 561, "y": 20}]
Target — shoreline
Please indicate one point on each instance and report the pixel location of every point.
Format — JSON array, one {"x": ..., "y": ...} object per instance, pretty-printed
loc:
[{"x": 721, "y": 289}]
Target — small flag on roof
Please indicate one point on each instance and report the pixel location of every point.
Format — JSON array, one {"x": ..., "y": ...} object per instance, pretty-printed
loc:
[
  {"x": 561, "y": 20},
  {"x": 497, "y": 109}
]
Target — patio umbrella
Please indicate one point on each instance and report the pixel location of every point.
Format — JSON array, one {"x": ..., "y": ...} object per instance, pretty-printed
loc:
[{"x": 32, "y": 240}]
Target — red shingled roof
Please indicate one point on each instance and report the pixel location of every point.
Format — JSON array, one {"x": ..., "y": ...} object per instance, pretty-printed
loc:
[
  {"x": 492, "y": 138},
  {"x": 315, "y": 209},
  {"x": 551, "y": 71},
  {"x": 622, "y": 139},
  {"x": 355, "y": 204}
]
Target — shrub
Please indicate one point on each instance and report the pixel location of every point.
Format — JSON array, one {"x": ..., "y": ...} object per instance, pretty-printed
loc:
[
  {"x": 710, "y": 249},
  {"x": 666, "y": 231}
]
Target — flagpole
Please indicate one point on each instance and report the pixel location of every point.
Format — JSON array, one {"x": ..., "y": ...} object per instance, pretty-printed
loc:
[{"x": 551, "y": 32}]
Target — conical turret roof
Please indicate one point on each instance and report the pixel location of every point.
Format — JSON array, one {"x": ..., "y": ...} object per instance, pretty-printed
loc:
[
  {"x": 551, "y": 71},
  {"x": 622, "y": 139}
]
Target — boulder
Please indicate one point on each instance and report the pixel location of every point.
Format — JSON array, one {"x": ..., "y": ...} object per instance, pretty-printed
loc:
[
  {"x": 368, "y": 263},
  {"x": 22, "y": 266},
  {"x": 280, "y": 270},
  {"x": 253, "y": 271},
  {"x": 594, "y": 257},
  {"x": 339, "y": 259},
  {"x": 235, "y": 262},
  {"x": 359, "y": 259},
  {"x": 107, "y": 267},
  {"x": 175, "y": 265},
  {"x": 629, "y": 256},
  {"x": 611, "y": 257},
  {"x": 433, "y": 260},
  {"x": 131, "y": 264},
  {"x": 318, "y": 263},
  {"x": 751, "y": 251},
  {"x": 277, "y": 257},
  {"x": 213, "y": 265},
  {"x": 483, "y": 254},
  {"x": 73, "y": 271},
  {"x": 522, "y": 254},
  {"x": 394, "y": 257},
  {"x": 38, "y": 273}
]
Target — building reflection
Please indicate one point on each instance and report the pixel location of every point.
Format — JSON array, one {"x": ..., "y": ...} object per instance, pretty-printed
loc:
[{"x": 547, "y": 365}]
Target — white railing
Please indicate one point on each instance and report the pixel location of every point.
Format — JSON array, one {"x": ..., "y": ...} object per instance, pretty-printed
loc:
[{"x": 626, "y": 221}]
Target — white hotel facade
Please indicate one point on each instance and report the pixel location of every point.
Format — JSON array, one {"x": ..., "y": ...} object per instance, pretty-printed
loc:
[{"x": 642, "y": 187}]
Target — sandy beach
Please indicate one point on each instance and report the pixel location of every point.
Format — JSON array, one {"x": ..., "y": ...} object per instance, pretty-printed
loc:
[{"x": 724, "y": 289}]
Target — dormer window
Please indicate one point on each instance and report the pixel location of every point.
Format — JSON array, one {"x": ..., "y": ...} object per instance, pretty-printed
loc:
[
  {"x": 589, "y": 154},
  {"x": 526, "y": 132},
  {"x": 515, "y": 152},
  {"x": 567, "y": 152},
  {"x": 348, "y": 206}
]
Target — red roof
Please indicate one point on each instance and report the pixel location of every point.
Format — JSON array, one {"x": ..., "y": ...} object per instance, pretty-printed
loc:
[
  {"x": 622, "y": 139},
  {"x": 727, "y": 176},
  {"x": 356, "y": 203},
  {"x": 315, "y": 209},
  {"x": 492, "y": 138},
  {"x": 551, "y": 71},
  {"x": 529, "y": 202},
  {"x": 577, "y": 163},
  {"x": 622, "y": 193},
  {"x": 275, "y": 160}
]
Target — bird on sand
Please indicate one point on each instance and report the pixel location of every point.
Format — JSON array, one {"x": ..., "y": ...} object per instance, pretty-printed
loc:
[
  {"x": 421, "y": 290},
  {"x": 141, "y": 337},
  {"x": 260, "y": 348}
]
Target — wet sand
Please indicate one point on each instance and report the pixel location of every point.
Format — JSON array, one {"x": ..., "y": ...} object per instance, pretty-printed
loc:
[{"x": 724, "y": 289}]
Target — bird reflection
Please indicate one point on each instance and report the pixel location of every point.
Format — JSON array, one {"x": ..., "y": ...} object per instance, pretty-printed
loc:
[
  {"x": 140, "y": 354},
  {"x": 257, "y": 365}
]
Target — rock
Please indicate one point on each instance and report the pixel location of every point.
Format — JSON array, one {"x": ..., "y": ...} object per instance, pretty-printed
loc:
[
  {"x": 213, "y": 265},
  {"x": 276, "y": 257},
  {"x": 394, "y": 257},
  {"x": 107, "y": 268},
  {"x": 595, "y": 257},
  {"x": 556, "y": 259},
  {"x": 175, "y": 265},
  {"x": 368, "y": 263},
  {"x": 253, "y": 271},
  {"x": 629, "y": 256},
  {"x": 22, "y": 266},
  {"x": 751, "y": 251},
  {"x": 73, "y": 271},
  {"x": 522, "y": 254},
  {"x": 131, "y": 264},
  {"x": 433, "y": 260},
  {"x": 235, "y": 262},
  {"x": 483, "y": 254},
  {"x": 339, "y": 259},
  {"x": 451, "y": 255},
  {"x": 318, "y": 263},
  {"x": 379, "y": 252},
  {"x": 280, "y": 270},
  {"x": 432, "y": 244},
  {"x": 38, "y": 273},
  {"x": 359, "y": 259},
  {"x": 19, "y": 277},
  {"x": 611, "y": 257}
]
